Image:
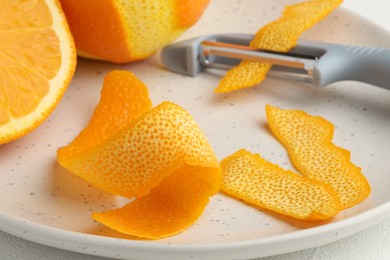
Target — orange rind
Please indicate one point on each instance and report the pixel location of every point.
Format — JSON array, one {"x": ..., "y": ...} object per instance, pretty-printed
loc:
[
  {"x": 123, "y": 98},
  {"x": 251, "y": 178},
  {"x": 129, "y": 30},
  {"x": 280, "y": 35},
  {"x": 158, "y": 156},
  {"x": 308, "y": 140},
  {"x": 168, "y": 209}
]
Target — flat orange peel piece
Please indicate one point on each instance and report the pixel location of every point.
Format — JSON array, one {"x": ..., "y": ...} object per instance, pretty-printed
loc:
[
  {"x": 280, "y": 35},
  {"x": 251, "y": 178},
  {"x": 159, "y": 156},
  {"x": 308, "y": 140}
]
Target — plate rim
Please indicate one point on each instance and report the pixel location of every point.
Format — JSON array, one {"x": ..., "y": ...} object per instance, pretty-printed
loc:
[
  {"x": 98, "y": 245},
  {"x": 71, "y": 240}
]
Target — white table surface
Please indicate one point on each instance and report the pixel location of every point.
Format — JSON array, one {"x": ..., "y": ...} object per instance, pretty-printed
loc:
[{"x": 372, "y": 243}]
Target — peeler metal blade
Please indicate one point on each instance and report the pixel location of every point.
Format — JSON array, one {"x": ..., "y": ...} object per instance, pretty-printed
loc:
[{"x": 312, "y": 62}]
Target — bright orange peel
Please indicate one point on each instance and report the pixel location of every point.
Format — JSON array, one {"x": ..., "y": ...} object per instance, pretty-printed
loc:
[
  {"x": 128, "y": 30},
  {"x": 251, "y": 178},
  {"x": 280, "y": 35},
  {"x": 123, "y": 98},
  {"x": 158, "y": 156},
  {"x": 308, "y": 140},
  {"x": 169, "y": 208}
]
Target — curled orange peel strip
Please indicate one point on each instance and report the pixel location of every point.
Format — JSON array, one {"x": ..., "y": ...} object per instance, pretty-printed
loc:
[
  {"x": 123, "y": 98},
  {"x": 251, "y": 178},
  {"x": 308, "y": 140},
  {"x": 280, "y": 35},
  {"x": 158, "y": 156}
]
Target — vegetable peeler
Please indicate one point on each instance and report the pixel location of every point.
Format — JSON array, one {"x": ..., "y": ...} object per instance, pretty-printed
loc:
[{"x": 318, "y": 63}]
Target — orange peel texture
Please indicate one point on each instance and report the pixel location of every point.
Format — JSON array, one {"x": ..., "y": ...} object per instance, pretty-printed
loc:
[
  {"x": 189, "y": 12},
  {"x": 251, "y": 178},
  {"x": 308, "y": 140},
  {"x": 123, "y": 98},
  {"x": 280, "y": 35},
  {"x": 129, "y": 30},
  {"x": 158, "y": 156}
]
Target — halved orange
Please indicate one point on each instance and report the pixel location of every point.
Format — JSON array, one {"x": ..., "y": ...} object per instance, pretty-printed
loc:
[{"x": 37, "y": 62}]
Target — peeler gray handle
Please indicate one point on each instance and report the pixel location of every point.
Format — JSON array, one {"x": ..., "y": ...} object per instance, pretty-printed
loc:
[
  {"x": 335, "y": 62},
  {"x": 357, "y": 63}
]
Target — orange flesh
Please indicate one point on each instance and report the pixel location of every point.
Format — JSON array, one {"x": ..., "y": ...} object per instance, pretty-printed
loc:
[
  {"x": 31, "y": 57},
  {"x": 280, "y": 35},
  {"x": 35, "y": 65},
  {"x": 249, "y": 177},
  {"x": 308, "y": 140}
]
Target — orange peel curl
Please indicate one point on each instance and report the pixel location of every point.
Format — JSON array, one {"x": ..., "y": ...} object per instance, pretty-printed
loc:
[
  {"x": 308, "y": 140},
  {"x": 280, "y": 35},
  {"x": 158, "y": 156},
  {"x": 251, "y": 178}
]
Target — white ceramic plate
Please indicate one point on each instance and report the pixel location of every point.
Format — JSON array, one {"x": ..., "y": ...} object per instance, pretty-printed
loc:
[{"x": 42, "y": 202}]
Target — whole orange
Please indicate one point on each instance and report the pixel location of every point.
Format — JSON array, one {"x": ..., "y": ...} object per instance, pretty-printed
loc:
[{"x": 123, "y": 31}]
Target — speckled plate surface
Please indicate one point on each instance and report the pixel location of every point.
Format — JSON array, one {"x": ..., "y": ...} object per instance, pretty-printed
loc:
[{"x": 42, "y": 202}]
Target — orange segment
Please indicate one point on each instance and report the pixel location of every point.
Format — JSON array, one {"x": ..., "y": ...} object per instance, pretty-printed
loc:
[
  {"x": 159, "y": 156},
  {"x": 37, "y": 62},
  {"x": 308, "y": 140},
  {"x": 249, "y": 177},
  {"x": 280, "y": 35},
  {"x": 130, "y": 30}
]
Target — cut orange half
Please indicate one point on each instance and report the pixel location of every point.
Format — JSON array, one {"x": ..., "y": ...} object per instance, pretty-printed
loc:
[{"x": 37, "y": 62}]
